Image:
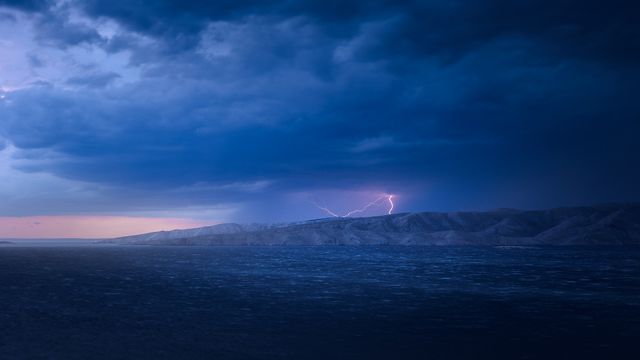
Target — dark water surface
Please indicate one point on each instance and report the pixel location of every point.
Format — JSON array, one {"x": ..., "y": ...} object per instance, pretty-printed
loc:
[{"x": 116, "y": 302}]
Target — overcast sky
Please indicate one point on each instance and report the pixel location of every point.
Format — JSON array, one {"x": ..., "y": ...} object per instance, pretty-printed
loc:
[{"x": 178, "y": 113}]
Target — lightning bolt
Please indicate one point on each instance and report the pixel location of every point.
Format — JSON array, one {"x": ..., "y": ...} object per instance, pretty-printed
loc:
[
  {"x": 364, "y": 208},
  {"x": 326, "y": 209},
  {"x": 387, "y": 197}
]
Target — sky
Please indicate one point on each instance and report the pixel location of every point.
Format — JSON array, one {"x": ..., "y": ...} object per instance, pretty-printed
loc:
[{"x": 128, "y": 116}]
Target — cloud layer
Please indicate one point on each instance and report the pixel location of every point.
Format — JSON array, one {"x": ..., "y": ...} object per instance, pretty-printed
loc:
[{"x": 257, "y": 108}]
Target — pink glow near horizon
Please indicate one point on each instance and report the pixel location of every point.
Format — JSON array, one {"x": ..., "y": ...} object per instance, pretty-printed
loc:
[{"x": 88, "y": 226}]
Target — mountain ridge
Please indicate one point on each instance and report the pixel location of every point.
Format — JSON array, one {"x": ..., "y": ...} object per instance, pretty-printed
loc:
[{"x": 609, "y": 224}]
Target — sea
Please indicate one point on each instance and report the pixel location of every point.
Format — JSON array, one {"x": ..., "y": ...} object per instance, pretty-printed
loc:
[{"x": 80, "y": 300}]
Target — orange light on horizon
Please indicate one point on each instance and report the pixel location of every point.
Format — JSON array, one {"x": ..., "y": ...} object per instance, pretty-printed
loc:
[{"x": 69, "y": 226}]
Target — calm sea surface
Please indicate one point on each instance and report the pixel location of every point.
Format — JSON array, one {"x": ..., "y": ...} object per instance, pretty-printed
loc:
[{"x": 120, "y": 302}]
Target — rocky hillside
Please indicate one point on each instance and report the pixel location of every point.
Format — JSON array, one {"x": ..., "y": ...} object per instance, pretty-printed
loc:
[{"x": 595, "y": 225}]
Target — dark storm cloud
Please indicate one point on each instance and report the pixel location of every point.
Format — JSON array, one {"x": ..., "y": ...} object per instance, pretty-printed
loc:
[
  {"x": 55, "y": 30},
  {"x": 565, "y": 28},
  {"x": 191, "y": 16},
  {"x": 98, "y": 80},
  {"x": 27, "y": 5},
  {"x": 605, "y": 30},
  {"x": 7, "y": 17},
  {"x": 492, "y": 103},
  {"x": 602, "y": 30}
]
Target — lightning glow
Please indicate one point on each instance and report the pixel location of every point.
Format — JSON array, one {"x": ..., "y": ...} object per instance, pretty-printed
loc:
[
  {"x": 387, "y": 197},
  {"x": 4, "y": 91}
]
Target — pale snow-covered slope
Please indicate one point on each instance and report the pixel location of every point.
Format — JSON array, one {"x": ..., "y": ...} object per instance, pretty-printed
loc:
[
  {"x": 227, "y": 228},
  {"x": 617, "y": 224}
]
